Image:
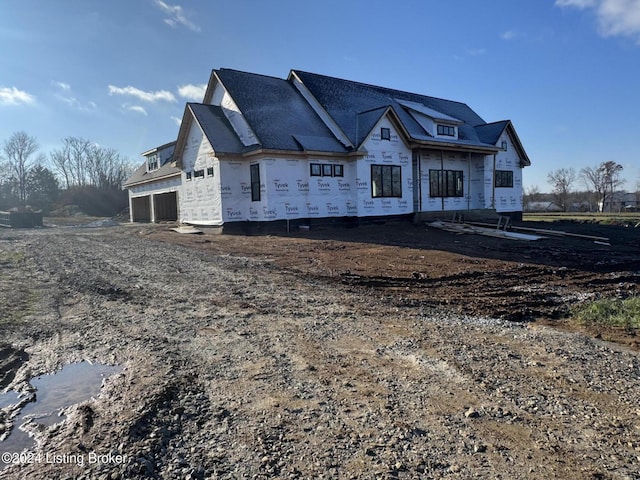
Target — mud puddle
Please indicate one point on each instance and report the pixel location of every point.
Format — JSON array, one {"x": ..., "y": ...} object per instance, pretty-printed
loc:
[{"x": 74, "y": 384}]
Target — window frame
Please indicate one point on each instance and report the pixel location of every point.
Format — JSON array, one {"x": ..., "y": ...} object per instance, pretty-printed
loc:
[
  {"x": 153, "y": 162},
  {"x": 385, "y": 133},
  {"x": 254, "y": 176},
  {"x": 198, "y": 173},
  {"x": 315, "y": 169},
  {"x": 338, "y": 170},
  {"x": 390, "y": 181},
  {"x": 446, "y": 183},
  {"x": 327, "y": 171},
  {"x": 188, "y": 176},
  {"x": 446, "y": 130},
  {"x": 210, "y": 171},
  {"x": 499, "y": 179}
]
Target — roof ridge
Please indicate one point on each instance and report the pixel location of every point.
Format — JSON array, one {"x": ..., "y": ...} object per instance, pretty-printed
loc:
[
  {"x": 371, "y": 85},
  {"x": 249, "y": 73}
]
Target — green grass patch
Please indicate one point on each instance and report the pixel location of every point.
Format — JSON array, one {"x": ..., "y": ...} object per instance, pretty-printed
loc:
[
  {"x": 611, "y": 312},
  {"x": 630, "y": 218}
]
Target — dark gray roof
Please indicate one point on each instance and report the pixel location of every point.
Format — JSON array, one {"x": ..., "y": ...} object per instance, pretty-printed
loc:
[
  {"x": 141, "y": 175},
  {"x": 277, "y": 112},
  {"x": 366, "y": 121},
  {"x": 344, "y": 99},
  {"x": 490, "y": 132},
  {"x": 217, "y": 128}
]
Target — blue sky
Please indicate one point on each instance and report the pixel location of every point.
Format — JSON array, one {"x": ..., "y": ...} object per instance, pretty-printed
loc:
[{"x": 118, "y": 72}]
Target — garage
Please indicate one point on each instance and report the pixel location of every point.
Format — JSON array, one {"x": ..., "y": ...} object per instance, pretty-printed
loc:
[
  {"x": 165, "y": 206},
  {"x": 141, "y": 209}
]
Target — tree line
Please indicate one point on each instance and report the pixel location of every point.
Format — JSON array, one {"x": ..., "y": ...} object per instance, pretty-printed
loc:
[
  {"x": 602, "y": 188},
  {"x": 78, "y": 173}
]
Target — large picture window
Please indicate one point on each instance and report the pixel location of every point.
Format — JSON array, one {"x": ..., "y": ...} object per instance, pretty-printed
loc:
[
  {"x": 386, "y": 181},
  {"x": 504, "y": 178},
  {"x": 446, "y": 183},
  {"x": 255, "y": 183}
]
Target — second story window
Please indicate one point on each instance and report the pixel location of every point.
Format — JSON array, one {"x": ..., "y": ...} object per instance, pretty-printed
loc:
[
  {"x": 152, "y": 162},
  {"x": 385, "y": 133},
  {"x": 446, "y": 130}
]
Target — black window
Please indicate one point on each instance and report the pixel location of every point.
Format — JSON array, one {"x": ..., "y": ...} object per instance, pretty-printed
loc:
[
  {"x": 338, "y": 171},
  {"x": 504, "y": 178},
  {"x": 198, "y": 173},
  {"x": 188, "y": 175},
  {"x": 385, "y": 133},
  {"x": 255, "y": 183},
  {"x": 446, "y": 183},
  {"x": 446, "y": 130},
  {"x": 504, "y": 145},
  {"x": 210, "y": 172},
  {"x": 327, "y": 171},
  {"x": 386, "y": 181},
  {"x": 316, "y": 170}
]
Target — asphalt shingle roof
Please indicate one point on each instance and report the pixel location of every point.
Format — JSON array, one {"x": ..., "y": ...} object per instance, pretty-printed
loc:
[
  {"x": 344, "y": 99},
  {"x": 217, "y": 128},
  {"x": 490, "y": 132},
  {"x": 141, "y": 175},
  {"x": 167, "y": 169},
  {"x": 276, "y": 111}
]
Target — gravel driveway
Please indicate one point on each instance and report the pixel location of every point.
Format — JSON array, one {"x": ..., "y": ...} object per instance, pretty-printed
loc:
[{"x": 237, "y": 368}]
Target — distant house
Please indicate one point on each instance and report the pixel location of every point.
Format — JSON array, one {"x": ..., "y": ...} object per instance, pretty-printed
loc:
[
  {"x": 312, "y": 147},
  {"x": 621, "y": 202},
  {"x": 542, "y": 207}
]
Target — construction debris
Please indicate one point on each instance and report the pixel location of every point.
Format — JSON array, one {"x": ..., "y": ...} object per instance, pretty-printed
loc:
[
  {"x": 479, "y": 230},
  {"x": 186, "y": 229}
]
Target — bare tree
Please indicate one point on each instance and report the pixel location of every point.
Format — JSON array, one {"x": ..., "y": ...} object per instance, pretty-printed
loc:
[
  {"x": 19, "y": 153},
  {"x": 603, "y": 181},
  {"x": 594, "y": 183},
  {"x": 107, "y": 168},
  {"x": 72, "y": 161},
  {"x": 561, "y": 180}
]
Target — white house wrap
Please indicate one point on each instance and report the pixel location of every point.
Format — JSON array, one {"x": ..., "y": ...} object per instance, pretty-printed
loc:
[{"x": 262, "y": 149}]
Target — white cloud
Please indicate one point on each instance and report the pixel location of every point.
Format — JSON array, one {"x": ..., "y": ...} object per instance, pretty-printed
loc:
[
  {"x": 193, "y": 92},
  {"x": 177, "y": 120},
  {"x": 62, "y": 85},
  {"x": 13, "y": 96},
  {"x": 161, "y": 95},
  {"x": 176, "y": 16},
  {"x": 135, "y": 108},
  {"x": 67, "y": 97},
  {"x": 615, "y": 17},
  {"x": 71, "y": 101},
  {"x": 576, "y": 3},
  {"x": 508, "y": 35}
]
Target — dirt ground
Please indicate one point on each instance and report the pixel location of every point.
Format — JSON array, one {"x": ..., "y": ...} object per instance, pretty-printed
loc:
[
  {"x": 468, "y": 274},
  {"x": 383, "y": 351}
]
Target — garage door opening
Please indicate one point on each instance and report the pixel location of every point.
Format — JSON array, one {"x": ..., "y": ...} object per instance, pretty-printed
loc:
[
  {"x": 165, "y": 207},
  {"x": 141, "y": 209}
]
